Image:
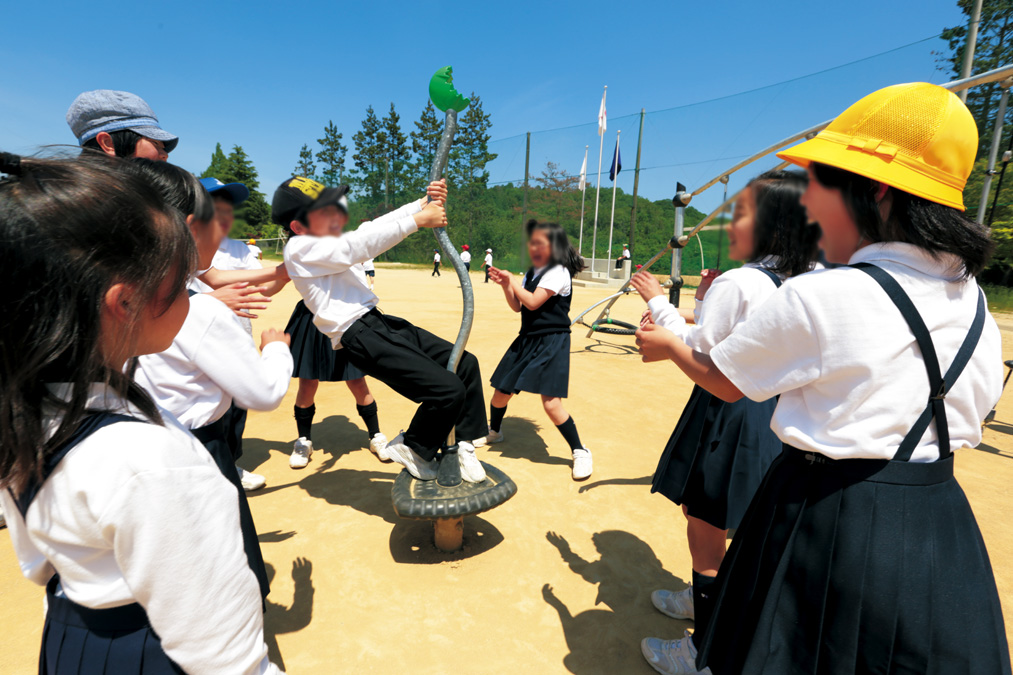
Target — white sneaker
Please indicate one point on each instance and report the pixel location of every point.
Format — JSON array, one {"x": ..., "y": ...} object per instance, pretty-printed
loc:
[
  {"x": 250, "y": 481},
  {"x": 3, "y": 519},
  {"x": 409, "y": 459},
  {"x": 378, "y": 446},
  {"x": 302, "y": 450},
  {"x": 672, "y": 657},
  {"x": 676, "y": 604},
  {"x": 582, "y": 465},
  {"x": 494, "y": 437},
  {"x": 471, "y": 468}
]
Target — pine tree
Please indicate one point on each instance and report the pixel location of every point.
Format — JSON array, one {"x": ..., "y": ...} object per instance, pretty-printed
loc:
[
  {"x": 396, "y": 155},
  {"x": 305, "y": 166},
  {"x": 552, "y": 199},
  {"x": 332, "y": 155},
  {"x": 467, "y": 172},
  {"x": 255, "y": 210},
  {"x": 425, "y": 140},
  {"x": 369, "y": 160},
  {"x": 219, "y": 167}
]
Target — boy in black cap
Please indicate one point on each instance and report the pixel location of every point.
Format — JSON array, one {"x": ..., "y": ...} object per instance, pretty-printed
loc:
[{"x": 325, "y": 266}]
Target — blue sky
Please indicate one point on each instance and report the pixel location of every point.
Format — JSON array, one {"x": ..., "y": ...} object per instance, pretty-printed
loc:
[{"x": 268, "y": 76}]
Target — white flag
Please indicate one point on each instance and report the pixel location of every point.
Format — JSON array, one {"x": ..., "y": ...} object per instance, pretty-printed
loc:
[
  {"x": 583, "y": 173},
  {"x": 601, "y": 115}
]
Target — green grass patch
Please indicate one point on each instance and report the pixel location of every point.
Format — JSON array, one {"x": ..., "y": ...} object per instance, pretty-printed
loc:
[{"x": 1000, "y": 298}]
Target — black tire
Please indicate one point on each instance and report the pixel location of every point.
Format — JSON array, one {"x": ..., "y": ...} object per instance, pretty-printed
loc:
[{"x": 623, "y": 329}]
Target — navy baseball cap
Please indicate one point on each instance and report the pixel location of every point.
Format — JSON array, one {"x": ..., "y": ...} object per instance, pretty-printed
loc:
[
  {"x": 106, "y": 110},
  {"x": 237, "y": 192},
  {"x": 299, "y": 195}
]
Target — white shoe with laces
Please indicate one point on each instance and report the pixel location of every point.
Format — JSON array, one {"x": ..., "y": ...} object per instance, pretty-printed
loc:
[
  {"x": 471, "y": 469},
  {"x": 378, "y": 446},
  {"x": 676, "y": 604},
  {"x": 302, "y": 450},
  {"x": 582, "y": 465},
  {"x": 672, "y": 657},
  {"x": 250, "y": 481},
  {"x": 494, "y": 437},
  {"x": 410, "y": 460}
]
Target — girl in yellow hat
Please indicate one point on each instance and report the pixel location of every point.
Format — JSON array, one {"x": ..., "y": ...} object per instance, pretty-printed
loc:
[{"x": 860, "y": 552}]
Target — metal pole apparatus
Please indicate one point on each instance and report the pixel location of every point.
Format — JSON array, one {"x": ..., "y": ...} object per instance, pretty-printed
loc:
[
  {"x": 970, "y": 46},
  {"x": 636, "y": 186},
  {"x": 679, "y": 201},
  {"x": 993, "y": 153},
  {"x": 583, "y": 196},
  {"x": 597, "y": 190}
]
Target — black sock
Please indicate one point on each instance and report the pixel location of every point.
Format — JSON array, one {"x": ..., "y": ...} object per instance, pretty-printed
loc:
[
  {"x": 496, "y": 417},
  {"x": 369, "y": 416},
  {"x": 304, "y": 420},
  {"x": 569, "y": 431},
  {"x": 704, "y": 588}
]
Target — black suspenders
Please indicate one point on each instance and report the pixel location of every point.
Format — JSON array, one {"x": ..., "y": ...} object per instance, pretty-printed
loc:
[
  {"x": 89, "y": 425},
  {"x": 939, "y": 385}
]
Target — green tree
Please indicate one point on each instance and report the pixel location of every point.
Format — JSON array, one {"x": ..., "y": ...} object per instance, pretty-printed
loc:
[
  {"x": 467, "y": 172},
  {"x": 369, "y": 160},
  {"x": 397, "y": 177},
  {"x": 219, "y": 167},
  {"x": 553, "y": 199},
  {"x": 332, "y": 155},
  {"x": 305, "y": 166},
  {"x": 255, "y": 210},
  {"x": 425, "y": 140}
]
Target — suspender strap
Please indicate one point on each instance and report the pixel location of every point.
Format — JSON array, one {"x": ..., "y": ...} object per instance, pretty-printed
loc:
[
  {"x": 939, "y": 385},
  {"x": 773, "y": 277},
  {"x": 89, "y": 425}
]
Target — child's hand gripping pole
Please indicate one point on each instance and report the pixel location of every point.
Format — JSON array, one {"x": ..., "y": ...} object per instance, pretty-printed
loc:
[{"x": 446, "y": 98}]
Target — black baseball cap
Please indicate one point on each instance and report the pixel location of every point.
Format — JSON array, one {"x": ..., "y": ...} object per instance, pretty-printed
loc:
[{"x": 299, "y": 195}]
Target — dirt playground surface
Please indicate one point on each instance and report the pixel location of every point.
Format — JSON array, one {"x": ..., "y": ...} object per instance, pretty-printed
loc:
[{"x": 557, "y": 579}]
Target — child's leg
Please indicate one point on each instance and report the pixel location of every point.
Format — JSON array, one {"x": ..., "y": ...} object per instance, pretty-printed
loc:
[
  {"x": 305, "y": 408},
  {"x": 497, "y": 409},
  {"x": 707, "y": 548},
  {"x": 365, "y": 404},
  {"x": 557, "y": 413}
]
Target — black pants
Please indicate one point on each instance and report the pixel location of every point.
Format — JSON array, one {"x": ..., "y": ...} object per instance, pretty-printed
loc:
[
  {"x": 487, "y": 273},
  {"x": 467, "y": 266},
  {"x": 413, "y": 362},
  {"x": 234, "y": 431},
  {"x": 436, "y": 270}
]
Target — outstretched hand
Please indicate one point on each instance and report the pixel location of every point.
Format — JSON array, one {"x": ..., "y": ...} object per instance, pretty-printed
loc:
[
  {"x": 647, "y": 286},
  {"x": 242, "y": 298},
  {"x": 501, "y": 277},
  {"x": 655, "y": 343}
]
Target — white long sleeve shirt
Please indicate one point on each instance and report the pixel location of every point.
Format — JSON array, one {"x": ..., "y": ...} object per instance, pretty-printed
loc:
[
  {"x": 732, "y": 298},
  {"x": 850, "y": 375},
  {"x": 211, "y": 363},
  {"x": 140, "y": 513},
  {"x": 328, "y": 272}
]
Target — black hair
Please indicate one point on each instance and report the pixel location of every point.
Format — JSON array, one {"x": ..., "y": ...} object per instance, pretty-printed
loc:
[
  {"x": 781, "y": 227},
  {"x": 563, "y": 252},
  {"x": 178, "y": 187},
  {"x": 933, "y": 227},
  {"x": 71, "y": 228},
  {"x": 124, "y": 142},
  {"x": 223, "y": 195}
]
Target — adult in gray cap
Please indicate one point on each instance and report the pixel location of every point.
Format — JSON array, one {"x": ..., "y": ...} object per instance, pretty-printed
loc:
[{"x": 119, "y": 123}]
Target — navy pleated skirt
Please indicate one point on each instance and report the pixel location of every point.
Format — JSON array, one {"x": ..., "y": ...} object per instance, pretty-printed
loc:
[
  {"x": 214, "y": 438},
  {"x": 856, "y": 566},
  {"x": 313, "y": 355},
  {"x": 77, "y": 640},
  {"x": 717, "y": 457},
  {"x": 537, "y": 364}
]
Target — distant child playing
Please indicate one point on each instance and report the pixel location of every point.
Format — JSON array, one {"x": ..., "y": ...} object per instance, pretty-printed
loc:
[
  {"x": 538, "y": 361},
  {"x": 325, "y": 266}
]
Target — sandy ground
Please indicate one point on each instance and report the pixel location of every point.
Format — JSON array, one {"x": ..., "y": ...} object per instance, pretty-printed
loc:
[{"x": 555, "y": 580}]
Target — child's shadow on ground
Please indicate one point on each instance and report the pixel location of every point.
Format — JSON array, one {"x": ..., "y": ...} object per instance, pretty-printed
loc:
[
  {"x": 522, "y": 441},
  {"x": 365, "y": 491},
  {"x": 608, "y": 640},
  {"x": 333, "y": 436},
  {"x": 279, "y": 619}
]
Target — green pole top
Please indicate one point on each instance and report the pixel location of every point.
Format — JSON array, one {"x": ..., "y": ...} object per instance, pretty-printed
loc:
[{"x": 443, "y": 93}]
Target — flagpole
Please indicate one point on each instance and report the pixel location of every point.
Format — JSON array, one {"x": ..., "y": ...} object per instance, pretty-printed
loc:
[
  {"x": 614, "y": 181},
  {"x": 583, "y": 196},
  {"x": 597, "y": 187}
]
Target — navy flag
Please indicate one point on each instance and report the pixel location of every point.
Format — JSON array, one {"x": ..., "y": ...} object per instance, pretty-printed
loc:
[{"x": 617, "y": 162}]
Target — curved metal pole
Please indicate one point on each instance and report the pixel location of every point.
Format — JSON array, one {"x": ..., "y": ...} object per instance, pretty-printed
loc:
[{"x": 468, "y": 293}]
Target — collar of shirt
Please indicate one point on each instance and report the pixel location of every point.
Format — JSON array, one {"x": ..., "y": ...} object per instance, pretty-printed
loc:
[
  {"x": 947, "y": 266},
  {"x": 100, "y": 397}
]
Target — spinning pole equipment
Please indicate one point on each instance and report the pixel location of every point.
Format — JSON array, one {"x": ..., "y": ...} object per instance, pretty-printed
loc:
[{"x": 448, "y": 499}]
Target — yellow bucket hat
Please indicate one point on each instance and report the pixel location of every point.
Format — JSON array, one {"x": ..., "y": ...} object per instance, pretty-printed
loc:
[{"x": 918, "y": 138}]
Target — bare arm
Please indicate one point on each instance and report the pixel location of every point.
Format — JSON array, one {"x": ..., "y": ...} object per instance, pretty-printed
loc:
[
  {"x": 687, "y": 314},
  {"x": 531, "y": 300},
  {"x": 657, "y": 344},
  {"x": 218, "y": 278}
]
